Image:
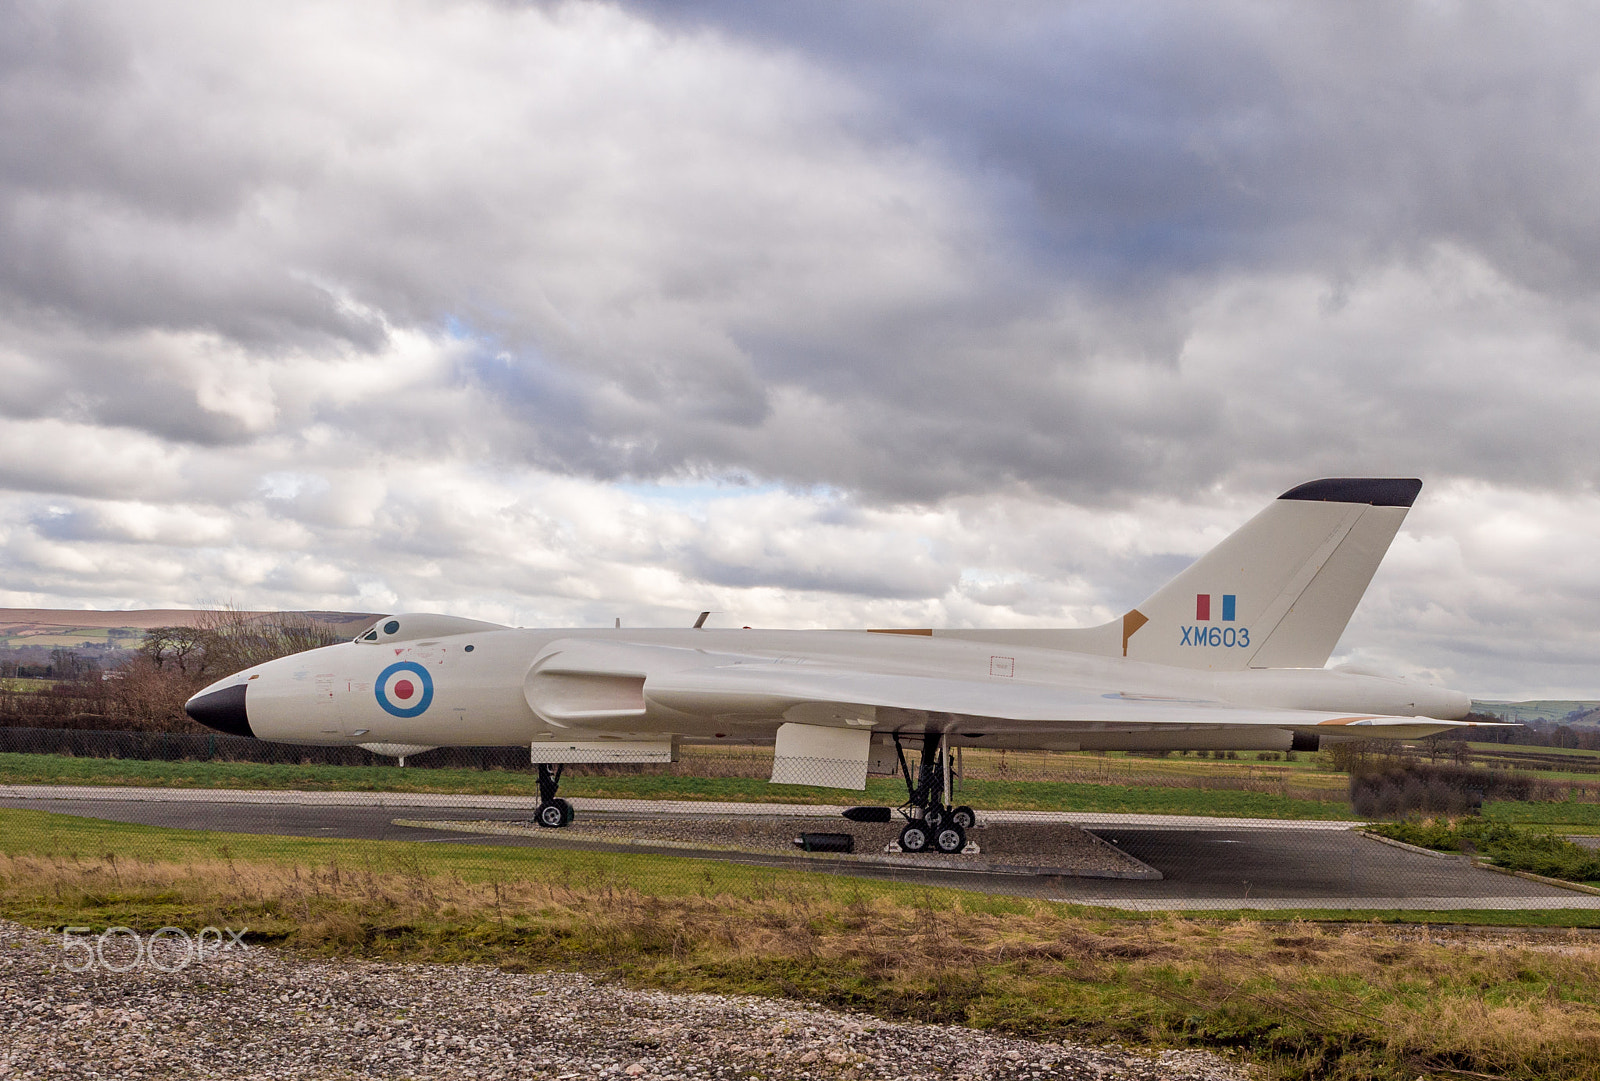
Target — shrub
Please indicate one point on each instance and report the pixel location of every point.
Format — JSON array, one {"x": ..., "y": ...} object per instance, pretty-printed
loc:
[
  {"x": 1511, "y": 847},
  {"x": 1406, "y": 788}
]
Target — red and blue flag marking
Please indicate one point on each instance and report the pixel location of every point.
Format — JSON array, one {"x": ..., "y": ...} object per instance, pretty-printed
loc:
[{"x": 1202, "y": 606}]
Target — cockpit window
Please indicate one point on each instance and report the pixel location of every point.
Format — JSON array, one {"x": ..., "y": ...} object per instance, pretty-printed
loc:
[
  {"x": 370, "y": 636},
  {"x": 392, "y": 627}
]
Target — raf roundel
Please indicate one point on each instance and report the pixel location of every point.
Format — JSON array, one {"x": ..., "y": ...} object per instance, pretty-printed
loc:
[{"x": 404, "y": 689}]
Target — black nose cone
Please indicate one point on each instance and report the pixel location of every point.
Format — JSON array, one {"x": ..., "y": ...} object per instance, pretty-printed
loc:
[{"x": 222, "y": 710}]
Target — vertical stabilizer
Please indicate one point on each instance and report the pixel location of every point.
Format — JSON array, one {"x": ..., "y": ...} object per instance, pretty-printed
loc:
[{"x": 1279, "y": 591}]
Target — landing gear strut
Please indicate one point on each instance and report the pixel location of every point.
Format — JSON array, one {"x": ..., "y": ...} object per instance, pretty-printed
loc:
[
  {"x": 930, "y": 822},
  {"x": 553, "y": 812}
]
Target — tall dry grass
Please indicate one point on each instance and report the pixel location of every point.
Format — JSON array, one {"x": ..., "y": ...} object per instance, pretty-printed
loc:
[{"x": 1305, "y": 1000}]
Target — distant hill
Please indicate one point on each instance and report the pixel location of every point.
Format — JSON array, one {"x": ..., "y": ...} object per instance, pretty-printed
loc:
[
  {"x": 1556, "y": 712},
  {"x": 75, "y": 628}
]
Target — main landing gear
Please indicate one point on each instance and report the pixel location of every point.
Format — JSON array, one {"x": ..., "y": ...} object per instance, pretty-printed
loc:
[
  {"x": 930, "y": 822},
  {"x": 553, "y": 812}
]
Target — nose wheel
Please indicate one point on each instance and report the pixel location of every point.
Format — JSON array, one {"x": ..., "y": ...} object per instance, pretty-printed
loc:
[
  {"x": 554, "y": 815},
  {"x": 553, "y": 812}
]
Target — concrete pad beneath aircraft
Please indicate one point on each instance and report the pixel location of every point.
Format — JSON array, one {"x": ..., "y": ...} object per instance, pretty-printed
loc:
[{"x": 1046, "y": 848}]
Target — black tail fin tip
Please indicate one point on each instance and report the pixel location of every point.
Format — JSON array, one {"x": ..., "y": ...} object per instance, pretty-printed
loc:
[{"x": 1375, "y": 491}]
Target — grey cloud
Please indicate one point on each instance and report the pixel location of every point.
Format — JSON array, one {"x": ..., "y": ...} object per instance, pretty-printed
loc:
[
  {"x": 972, "y": 248},
  {"x": 55, "y": 370},
  {"x": 1142, "y": 141},
  {"x": 130, "y": 176}
]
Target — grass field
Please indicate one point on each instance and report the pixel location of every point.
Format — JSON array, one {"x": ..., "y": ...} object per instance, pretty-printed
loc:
[
  {"x": 1523, "y": 712},
  {"x": 1306, "y": 776},
  {"x": 1511, "y": 748},
  {"x": 1304, "y": 1000},
  {"x": 25, "y": 685},
  {"x": 1570, "y": 817}
]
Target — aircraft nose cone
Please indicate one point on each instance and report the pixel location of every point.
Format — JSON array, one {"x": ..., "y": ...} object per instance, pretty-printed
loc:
[{"x": 222, "y": 710}]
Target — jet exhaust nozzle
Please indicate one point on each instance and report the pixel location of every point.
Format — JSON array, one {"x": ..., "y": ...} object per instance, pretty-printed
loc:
[{"x": 223, "y": 710}]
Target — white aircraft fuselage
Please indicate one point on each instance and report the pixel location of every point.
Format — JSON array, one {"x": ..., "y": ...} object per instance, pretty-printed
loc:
[{"x": 502, "y": 687}]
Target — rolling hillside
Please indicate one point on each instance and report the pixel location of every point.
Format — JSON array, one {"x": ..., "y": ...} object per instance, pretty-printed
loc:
[{"x": 72, "y": 628}]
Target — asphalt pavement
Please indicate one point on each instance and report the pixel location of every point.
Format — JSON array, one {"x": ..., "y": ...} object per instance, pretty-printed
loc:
[{"x": 1211, "y": 863}]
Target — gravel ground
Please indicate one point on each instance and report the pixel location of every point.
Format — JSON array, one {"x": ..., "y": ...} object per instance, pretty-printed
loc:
[
  {"x": 1061, "y": 847},
  {"x": 259, "y": 1013}
]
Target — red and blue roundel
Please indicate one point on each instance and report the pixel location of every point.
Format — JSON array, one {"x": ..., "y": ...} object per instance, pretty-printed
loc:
[{"x": 404, "y": 689}]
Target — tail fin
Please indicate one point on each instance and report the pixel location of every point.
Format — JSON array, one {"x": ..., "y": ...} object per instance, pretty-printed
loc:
[{"x": 1279, "y": 591}]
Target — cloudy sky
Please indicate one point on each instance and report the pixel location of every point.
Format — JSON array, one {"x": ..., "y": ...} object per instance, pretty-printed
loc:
[{"x": 815, "y": 314}]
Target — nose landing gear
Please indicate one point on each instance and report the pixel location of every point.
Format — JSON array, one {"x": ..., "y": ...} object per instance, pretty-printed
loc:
[{"x": 553, "y": 812}]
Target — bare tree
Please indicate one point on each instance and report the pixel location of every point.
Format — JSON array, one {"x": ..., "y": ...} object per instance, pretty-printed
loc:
[
  {"x": 175, "y": 649},
  {"x": 174, "y": 662},
  {"x": 232, "y": 640}
]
